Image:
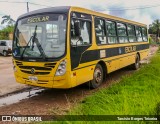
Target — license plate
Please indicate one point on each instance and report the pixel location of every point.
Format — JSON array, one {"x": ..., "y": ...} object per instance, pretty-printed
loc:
[{"x": 33, "y": 78}]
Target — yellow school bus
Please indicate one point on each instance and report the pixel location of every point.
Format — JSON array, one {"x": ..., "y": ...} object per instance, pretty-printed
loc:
[{"x": 62, "y": 47}]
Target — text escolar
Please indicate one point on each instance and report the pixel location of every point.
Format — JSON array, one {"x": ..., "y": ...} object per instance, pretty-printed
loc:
[{"x": 38, "y": 19}]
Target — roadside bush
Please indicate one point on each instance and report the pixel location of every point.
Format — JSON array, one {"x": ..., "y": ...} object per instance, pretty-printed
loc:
[
  {"x": 150, "y": 40},
  {"x": 4, "y": 35}
]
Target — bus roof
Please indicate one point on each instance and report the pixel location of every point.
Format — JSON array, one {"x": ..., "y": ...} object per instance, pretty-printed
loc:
[
  {"x": 103, "y": 15},
  {"x": 66, "y": 9},
  {"x": 59, "y": 9}
]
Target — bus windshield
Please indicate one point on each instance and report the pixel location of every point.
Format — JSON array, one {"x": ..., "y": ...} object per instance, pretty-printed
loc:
[{"x": 39, "y": 33}]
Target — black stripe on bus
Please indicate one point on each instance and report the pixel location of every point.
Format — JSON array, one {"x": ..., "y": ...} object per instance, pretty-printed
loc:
[
  {"x": 92, "y": 55},
  {"x": 104, "y": 61}
]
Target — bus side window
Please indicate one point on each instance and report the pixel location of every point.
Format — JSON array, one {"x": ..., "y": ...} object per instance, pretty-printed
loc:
[
  {"x": 122, "y": 33},
  {"x": 85, "y": 27},
  {"x": 100, "y": 31},
  {"x": 144, "y": 34},
  {"x": 74, "y": 38},
  {"x": 86, "y": 32},
  {"x": 131, "y": 33},
  {"x": 139, "y": 33},
  {"x": 111, "y": 32}
]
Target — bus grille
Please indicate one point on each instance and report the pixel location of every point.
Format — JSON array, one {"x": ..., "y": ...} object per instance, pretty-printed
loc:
[
  {"x": 38, "y": 70},
  {"x": 35, "y": 67},
  {"x": 36, "y": 73},
  {"x": 18, "y": 63}
]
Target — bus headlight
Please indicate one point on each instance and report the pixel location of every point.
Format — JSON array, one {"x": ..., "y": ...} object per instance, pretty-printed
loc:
[{"x": 61, "y": 68}]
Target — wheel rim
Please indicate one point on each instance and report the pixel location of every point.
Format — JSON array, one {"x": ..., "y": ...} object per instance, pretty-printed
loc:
[
  {"x": 98, "y": 75},
  {"x": 137, "y": 62}
]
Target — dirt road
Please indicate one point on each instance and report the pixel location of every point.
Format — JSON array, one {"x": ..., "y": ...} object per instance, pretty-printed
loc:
[
  {"x": 49, "y": 101},
  {"x": 7, "y": 80}
]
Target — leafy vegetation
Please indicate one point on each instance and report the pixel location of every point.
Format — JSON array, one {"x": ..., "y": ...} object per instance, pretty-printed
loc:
[
  {"x": 152, "y": 41},
  {"x": 154, "y": 28},
  {"x": 4, "y": 33}
]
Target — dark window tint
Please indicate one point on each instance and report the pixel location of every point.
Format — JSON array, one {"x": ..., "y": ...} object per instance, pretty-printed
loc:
[
  {"x": 139, "y": 33},
  {"x": 111, "y": 28},
  {"x": 144, "y": 34},
  {"x": 121, "y": 29},
  {"x": 131, "y": 33},
  {"x": 131, "y": 30},
  {"x": 100, "y": 31},
  {"x": 111, "y": 32},
  {"x": 122, "y": 33}
]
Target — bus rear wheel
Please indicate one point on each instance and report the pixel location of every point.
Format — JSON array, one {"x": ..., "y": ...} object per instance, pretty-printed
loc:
[
  {"x": 136, "y": 65},
  {"x": 97, "y": 77}
]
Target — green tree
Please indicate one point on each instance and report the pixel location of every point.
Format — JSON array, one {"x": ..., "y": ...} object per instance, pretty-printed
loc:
[
  {"x": 154, "y": 28},
  {"x": 9, "y": 29},
  {"x": 8, "y": 20},
  {"x": 4, "y": 33}
]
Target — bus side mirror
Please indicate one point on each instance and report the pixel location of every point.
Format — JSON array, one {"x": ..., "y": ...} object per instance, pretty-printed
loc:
[{"x": 77, "y": 28}]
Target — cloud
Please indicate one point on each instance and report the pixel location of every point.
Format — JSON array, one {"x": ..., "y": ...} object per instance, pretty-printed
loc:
[
  {"x": 136, "y": 11},
  {"x": 125, "y": 8}
]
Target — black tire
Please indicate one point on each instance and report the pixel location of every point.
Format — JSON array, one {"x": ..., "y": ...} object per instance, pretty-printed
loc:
[
  {"x": 5, "y": 53},
  {"x": 97, "y": 77},
  {"x": 136, "y": 65}
]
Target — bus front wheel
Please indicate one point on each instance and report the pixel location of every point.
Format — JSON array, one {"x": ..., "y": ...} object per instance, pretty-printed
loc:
[{"x": 97, "y": 77}]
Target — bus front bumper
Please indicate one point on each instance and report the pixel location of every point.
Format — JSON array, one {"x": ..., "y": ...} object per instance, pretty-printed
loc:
[{"x": 45, "y": 81}]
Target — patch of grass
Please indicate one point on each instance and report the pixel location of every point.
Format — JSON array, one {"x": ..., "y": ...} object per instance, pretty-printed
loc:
[{"x": 138, "y": 94}]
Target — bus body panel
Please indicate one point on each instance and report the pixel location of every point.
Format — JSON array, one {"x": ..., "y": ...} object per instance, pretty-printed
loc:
[{"x": 84, "y": 74}]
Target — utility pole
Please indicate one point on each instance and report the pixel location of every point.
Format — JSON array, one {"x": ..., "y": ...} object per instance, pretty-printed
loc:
[{"x": 27, "y": 7}]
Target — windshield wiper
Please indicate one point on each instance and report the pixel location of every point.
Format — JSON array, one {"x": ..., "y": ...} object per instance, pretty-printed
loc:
[
  {"x": 35, "y": 40},
  {"x": 39, "y": 47},
  {"x": 34, "y": 35}
]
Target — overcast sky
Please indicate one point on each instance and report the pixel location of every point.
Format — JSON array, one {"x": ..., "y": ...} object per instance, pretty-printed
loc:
[{"x": 144, "y": 11}]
